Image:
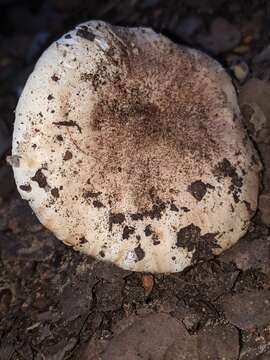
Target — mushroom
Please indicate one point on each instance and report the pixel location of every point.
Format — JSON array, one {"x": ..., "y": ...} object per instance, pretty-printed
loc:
[{"x": 131, "y": 149}]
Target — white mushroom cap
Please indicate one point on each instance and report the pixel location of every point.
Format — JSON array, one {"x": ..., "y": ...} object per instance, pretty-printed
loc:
[{"x": 131, "y": 149}]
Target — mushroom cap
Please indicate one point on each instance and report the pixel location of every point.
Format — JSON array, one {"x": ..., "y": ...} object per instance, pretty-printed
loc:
[{"x": 131, "y": 149}]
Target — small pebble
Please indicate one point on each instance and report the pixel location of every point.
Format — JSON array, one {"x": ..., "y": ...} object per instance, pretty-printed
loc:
[
  {"x": 148, "y": 283},
  {"x": 240, "y": 71}
]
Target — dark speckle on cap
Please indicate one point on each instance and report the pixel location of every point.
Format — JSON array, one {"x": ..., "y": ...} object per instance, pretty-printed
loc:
[
  {"x": 91, "y": 194},
  {"x": 173, "y": 207},
  {"x": 139, "y": 253},
  {"x": 98, "y": 204},
  {"x": 116, "y": 219},
  {"x": 83, "y": 240},
  {"x": 148, "y": 230},
  {"x": 68, "y": 123},
  {"x": 102, "y": 253},
  {"x": 55, "y": 77},
  {"x": 127, "y": 231},
  {"x": 85, "y": 33},
  {"x": 26, "y": 187},
  {"x": 55, "y": 192},
  {"x": 40, "y": 178},
  {"x": 67, "y": 156}
]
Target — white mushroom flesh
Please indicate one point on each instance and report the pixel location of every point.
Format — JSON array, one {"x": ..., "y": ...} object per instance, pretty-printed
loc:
[{"x": 131, "y": 149}]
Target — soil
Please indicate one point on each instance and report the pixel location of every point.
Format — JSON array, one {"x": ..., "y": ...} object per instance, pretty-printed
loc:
[{"x": 58, "y": 304}]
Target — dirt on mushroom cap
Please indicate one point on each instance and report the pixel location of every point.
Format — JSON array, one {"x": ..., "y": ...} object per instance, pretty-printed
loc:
[{"x": 134, "y": 130}]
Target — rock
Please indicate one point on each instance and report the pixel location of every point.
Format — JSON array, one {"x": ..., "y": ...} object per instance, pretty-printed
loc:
[
  {"x": 253, "y": 280},
  {"x": 219, "y": 342},
  {"x": 248, "y": 310},
  {"x": 110, "y": 272},
  {"x": 254, "y": 103},
  {"x": 222, "y": 36},
  {"x": 194, "y": 313},
  {"x": 75, "y": 300},
  {"x": 248, "y": 253},
  {"x": 137, "y": 341},
  {"x": 264, "y": 207},
  {"x": 255, "y": 106},
  {"x": 191, "y": 320},
  {"x": 213, "y": 279},
  {"x": 162, "y": 337},
  {"x": 188, "y": 27}
]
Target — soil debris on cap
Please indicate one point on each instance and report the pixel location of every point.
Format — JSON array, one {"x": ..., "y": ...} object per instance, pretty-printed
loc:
[
  {"x": 127, "y": 231},
  {"x": 139, "y": 253},
  {"x": 26, "y": 187},
  {"x": 116, "y": 219},
  {"x": 226, "y": 169},
  {"x": 40, "y": 178},
  {"x": 202, "y": 246},
  {"x": 68, "y": 155},
  {"x": 86, "y": 34},
  {"x": 198, "y": 189},
  {"x": 69, "y": 123},
  {"x": 55, "y": 193}
]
